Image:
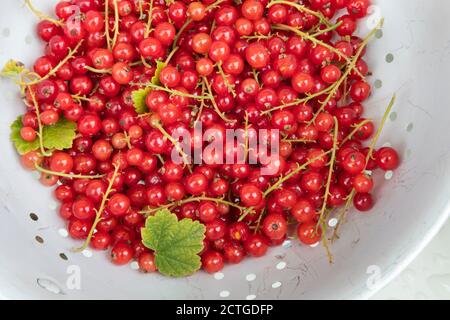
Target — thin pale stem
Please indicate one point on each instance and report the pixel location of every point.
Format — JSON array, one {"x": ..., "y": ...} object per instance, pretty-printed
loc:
[
  {"x": 277, "y": 184},
  {"x": 149, "y": 20},
  {"x": 320, "y": 43},
  {"x": 213, "y": 102},
  {"x": 99, "y": 212},
  {"x": 298, "y": 101},
  {"x": 194, "y": 199},
  {"x": 41, "y": 15},
  {"x": 225, "y": 79},
  {"x": 107, "y": 34},
  {"x": 341, "y": 217},
  {"x": 41, "y": 127},
  {"x": 302, "y": 9},
  {"x": 58, "y": 66},
  {"x": 116, "y": 24},
  {"x": 330, "y": 172},
  {"x": 67, "y": 175},
  {"x": 347, "y": 72},
  {"x": 175, "y": 143}
]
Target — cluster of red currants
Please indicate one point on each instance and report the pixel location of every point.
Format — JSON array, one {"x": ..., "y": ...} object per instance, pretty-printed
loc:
[{"x": 230, "y": 65}]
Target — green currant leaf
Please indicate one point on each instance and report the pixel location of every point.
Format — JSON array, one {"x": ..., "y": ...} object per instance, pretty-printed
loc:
[
  {"x": 21, "y": 145},
  {"x": 159, "y": 66},
  {"x": 176, "y": 243},
  {"x": 139, "y": 100},
  {"x": 140, "y": 94},
  {"x": 12, "y": 69},
  {"x": 59, "y": 136}
]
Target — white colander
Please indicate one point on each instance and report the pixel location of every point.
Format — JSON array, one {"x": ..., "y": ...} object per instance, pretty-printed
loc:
[{"x": 410, "y": 57}]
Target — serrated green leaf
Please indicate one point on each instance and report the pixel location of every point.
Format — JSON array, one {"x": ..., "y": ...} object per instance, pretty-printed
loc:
[
  {"x": 139, "y": 95},
  {"x": 176, "y": 243},
  {"x": 158, "y": 230},
  {"x": 159, "y": 66},
  {"x": 59, "y": 136},
  {"x": 21, "y": 145},
  {"x": 12, "y": 68},
  {"x": 139, "y": 100},
  {"x": 177, "y": 263}
]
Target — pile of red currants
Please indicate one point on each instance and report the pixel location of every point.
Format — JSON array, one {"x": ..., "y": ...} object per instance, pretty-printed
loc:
[{"x": 293, "y": 66}]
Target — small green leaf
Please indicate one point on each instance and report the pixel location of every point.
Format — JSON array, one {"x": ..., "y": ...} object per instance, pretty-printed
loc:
[
  {"x": 176, "y": 243},
  {"x": 21, "y": 145},
  {"x": 139, "y": 100},
  {"x": 159, "y": 66},
  {"x": 59, "y": 136},
  {"x": 140, "y": 94},
  {"x": 12, "y": 68}
]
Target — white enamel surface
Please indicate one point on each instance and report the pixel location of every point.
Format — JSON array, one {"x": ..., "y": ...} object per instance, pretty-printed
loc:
[{"x": 414, "y": 205}]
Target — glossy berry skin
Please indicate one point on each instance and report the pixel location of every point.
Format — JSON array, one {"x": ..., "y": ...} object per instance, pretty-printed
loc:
[
  {"x": 147, "y": 262},
  {"x": 121, "y": 254},
  {"x": 274, "y": 226},
  {"x": 303, "y": 211},
  {"x": 61, "y": 162},
  {"x": 363, "y": 202},
  {"x": 387, "y": 158},
  {"x": 233, "y": 252},
  {"x": 256, "y": 245},
  {"x": 307, "y": 233},
  {"x": 83, "y": 209},
  {"x": 101, "y": 240},
  {"x": 196, "y": 184},
  {"x": 250, "y": 195},
  {"x": 257, "y": 56},
  {"x": 118, "y": 204},
  {"x": 212, "y": 261}
]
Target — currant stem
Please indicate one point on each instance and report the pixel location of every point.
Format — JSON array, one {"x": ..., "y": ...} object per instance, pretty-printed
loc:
[
  {"x": 180, "y": 32},
  {"x": 330, "y": 28},
  {"x": 297, "y": 101},
  {"x": 171, "y": 91},
  {"x": 380, "y": 128},
  {"x": 343, "y": 213},
  {"x": 67, "y": 175},
  {"x": 227, "y": 83},
  {"x": 277, "y": 184},
  {"x": 330, "y": 173},
  {"x": 55, "y": 69},
  {"x": 169, "y": 57},
  {"x": 149, "y": 19},
  {"x": 82, "y": 98},
  {"x": 40, "y": 132},
  {"x": 298, "y": 141},
  {"x": 99, "y": 212},
  {"x": 174, "y": 142},
  {"x": 347, "y": 72},
  {"x": 355, "y": 130},
  {"x": 301, "y": 8},
  {"x": 189, "y": 21},
  {"x": 41, "y": 15},
  {"x": 202, "y": 102},
  {"x": 320, "y": 43},
  {"x": 213, "y": 101},
  {"x": 100, "y": 71},
  {"x": 107, "y": 34},
  {"x": 194, "y": 199},
  {"x": 116, "y": 24},
  {"x": 325, "y": 242}
]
